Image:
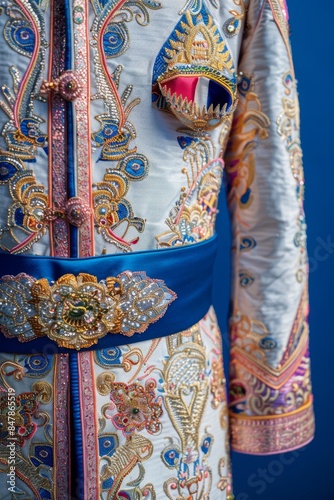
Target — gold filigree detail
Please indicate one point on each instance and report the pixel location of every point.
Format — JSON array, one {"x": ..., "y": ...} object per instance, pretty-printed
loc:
[
  {"x": 186, "y": 394},
  {"x": 44, "y": 391},
  {"x": 136, "y": 449},
  {"x": 218, "y": 383},
  {"x": 104, "y": 383},
  {"x": 199, "y": 44}
]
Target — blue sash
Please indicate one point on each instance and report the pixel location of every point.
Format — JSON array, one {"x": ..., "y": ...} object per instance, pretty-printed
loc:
[{"x": 186, "y": 270}]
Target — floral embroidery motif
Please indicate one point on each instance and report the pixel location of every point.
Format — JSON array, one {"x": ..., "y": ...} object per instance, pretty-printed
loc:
[
  {"x": 190, "y": 378},
  {"x": 77, "y": 311},
  {"x": 138, "y": 407},
  {"x": 194, "y": 76},
  {"x": 193, "y": 217}
]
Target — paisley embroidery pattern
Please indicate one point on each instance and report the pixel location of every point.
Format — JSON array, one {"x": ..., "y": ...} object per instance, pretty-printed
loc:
[
  {"x": 186, "y": 391},
  {"x": 233, "y": 24},
  {"x": 193, "y": 217},
  {"x": 245, "y": 278},
  {"x": 194, "y": 76},
  {"x": 76, "y": 311},
  {"x": 249, "y": 124},
  {"x": 247, "y": 243},
  {"x": 26, "y": 432},
  {"x": 111, "y": 209},
  {"x": 139, "y": 400},
  {"x": 27, "y": 217},
  {"x": 20, "y": 36},
  {"x": 113, "y": 213}
]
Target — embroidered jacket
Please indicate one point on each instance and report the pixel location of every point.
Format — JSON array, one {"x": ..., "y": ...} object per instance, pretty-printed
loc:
[{"x": 119, "y": 120}]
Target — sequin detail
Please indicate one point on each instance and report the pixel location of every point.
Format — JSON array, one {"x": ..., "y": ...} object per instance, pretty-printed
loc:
[
  {"x": 81, "y": 107},
  {"x": 58, "y": 189}
]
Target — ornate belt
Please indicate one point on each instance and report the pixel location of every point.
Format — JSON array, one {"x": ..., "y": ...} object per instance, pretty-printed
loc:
[{"x": 50, "y": 304}]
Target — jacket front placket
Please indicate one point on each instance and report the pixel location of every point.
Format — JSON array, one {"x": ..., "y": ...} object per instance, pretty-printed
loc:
[{"x": 71, "y": 230}]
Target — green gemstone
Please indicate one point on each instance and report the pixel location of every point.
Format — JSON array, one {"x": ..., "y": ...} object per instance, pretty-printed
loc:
[{"x": 76, "y": 312}]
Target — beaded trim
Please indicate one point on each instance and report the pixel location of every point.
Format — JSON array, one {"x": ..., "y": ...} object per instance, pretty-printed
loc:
[{"x": 273, "y": 433}]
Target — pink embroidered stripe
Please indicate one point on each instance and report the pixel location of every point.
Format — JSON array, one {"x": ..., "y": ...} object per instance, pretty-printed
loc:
[
  {"x": 82, "y": 113},
  {"x": 273, "y": 433},
  {"x": 89, "y": 425},
  {"x": 61, "y": 426}
]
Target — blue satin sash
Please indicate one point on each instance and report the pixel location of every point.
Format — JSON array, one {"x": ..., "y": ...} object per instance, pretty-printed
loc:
[{"x": 185, "y": 270}]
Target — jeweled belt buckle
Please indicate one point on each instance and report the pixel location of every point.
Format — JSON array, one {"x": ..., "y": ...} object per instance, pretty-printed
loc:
[{"x": 76, "y": 311}]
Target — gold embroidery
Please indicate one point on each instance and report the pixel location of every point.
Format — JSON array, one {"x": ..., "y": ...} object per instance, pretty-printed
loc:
[
  {"x": 288, "y": 124},
  {"x": 43, "y": 390},
  {"x": 186, "y": 393},
  {"x": 194, "y": 215},
  {"x": 249, "y": 122},
  {"x": 232, "y": 26},
  {"x": 195, "y": 52},
  {"x": 137, "y": 449}
]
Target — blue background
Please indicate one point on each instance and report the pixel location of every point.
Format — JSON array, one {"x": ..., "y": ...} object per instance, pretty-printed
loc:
[{"x": 307, "y": 473}]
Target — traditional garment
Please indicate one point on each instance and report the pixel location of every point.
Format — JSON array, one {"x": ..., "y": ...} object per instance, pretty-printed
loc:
[{"x": 120, "y": 121}]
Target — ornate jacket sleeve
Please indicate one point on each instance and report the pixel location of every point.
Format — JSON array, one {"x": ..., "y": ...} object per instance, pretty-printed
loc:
[{"x": 271, "y": 401}]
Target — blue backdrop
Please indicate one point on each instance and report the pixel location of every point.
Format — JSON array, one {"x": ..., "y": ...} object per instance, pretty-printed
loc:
[{"x": 308, "y": 473}]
